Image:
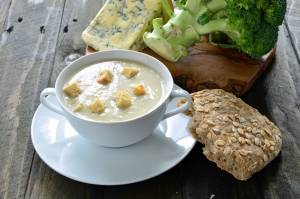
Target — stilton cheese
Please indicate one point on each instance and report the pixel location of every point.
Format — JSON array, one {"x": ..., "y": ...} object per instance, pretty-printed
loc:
[{"x": 121, "y": 24}]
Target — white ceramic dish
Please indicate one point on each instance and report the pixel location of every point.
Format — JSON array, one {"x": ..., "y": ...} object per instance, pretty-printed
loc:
[
  {"x": 124, "y": 133},
  {"x": 62, "y": 149}
]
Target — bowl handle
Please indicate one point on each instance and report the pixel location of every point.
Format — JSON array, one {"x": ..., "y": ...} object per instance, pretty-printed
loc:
[
  {"x": 49, "y": 105},
  {"x": 179, "y": 93}
]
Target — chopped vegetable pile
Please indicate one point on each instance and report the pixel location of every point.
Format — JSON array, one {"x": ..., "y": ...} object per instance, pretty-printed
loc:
[{"x": 248, "y": 25}]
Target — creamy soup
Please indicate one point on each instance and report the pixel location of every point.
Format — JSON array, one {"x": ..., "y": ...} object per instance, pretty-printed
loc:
[{"x": 113, "y": 91}]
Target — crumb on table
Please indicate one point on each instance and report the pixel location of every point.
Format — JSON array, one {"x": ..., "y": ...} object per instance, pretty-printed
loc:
[{"x": 180, "y": 102}]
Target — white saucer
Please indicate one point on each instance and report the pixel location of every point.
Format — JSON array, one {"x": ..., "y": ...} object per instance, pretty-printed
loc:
[{"x": 62, "y": 149}]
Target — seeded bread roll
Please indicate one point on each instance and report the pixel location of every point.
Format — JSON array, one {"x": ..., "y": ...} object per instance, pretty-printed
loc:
[{"x": 237, "y": 137}]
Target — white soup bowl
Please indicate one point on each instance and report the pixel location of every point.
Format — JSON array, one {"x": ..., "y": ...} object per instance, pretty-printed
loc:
[{"x": 122, "y": 133}]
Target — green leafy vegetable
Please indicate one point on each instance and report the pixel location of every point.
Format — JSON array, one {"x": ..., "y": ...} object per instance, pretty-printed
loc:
[{"x": 249, "y": 25}]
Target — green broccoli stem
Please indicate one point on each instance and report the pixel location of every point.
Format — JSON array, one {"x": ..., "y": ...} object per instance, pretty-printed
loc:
[
  {"x": 182, "y": 20},
  {"x": 194, "y": 6},
  {"x": 197, "y": 7},
  {"x": 216, "y": 5},
  {"x": 218, "y": 25},
  {"x": 219, "y": 14},
  {"x": 182, "y": 31},
  {"x": 187, "y": 17},
  {"x": 212, "y": 26}
]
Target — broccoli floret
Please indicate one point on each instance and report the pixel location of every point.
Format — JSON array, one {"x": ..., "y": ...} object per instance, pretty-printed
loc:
[
  {"x": 250, "y": 25},
  {"x": 274, "y": 14}
]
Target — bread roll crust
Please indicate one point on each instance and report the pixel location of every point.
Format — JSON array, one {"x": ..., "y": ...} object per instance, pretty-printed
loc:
[{"x": 237, "y": 137}]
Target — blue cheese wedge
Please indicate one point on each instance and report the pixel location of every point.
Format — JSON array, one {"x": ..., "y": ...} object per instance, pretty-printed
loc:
[{"x": 120, "y": 24}]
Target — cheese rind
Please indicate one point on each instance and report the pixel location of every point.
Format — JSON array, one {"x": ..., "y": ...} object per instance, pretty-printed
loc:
[{"x": 120, "y": 24}]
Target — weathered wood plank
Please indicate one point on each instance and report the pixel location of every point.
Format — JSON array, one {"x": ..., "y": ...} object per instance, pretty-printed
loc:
[
  {"x": 4, "y": 9},
  {"x": 276, "y": 94},
  {"x": 47, "y": 184},
  {"x": 292, "y": 19},
  {"x": 43, "y": 181},
  {"x": 26, "y": 58},
  {"x": 165, "y": 186}
]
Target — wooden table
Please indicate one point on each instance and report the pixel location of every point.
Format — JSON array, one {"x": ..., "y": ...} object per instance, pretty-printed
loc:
[{"x": 38, "y": 35}]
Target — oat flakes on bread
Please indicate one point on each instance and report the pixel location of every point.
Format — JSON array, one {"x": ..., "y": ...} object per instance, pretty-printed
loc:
[{"x": 237, "y": 137}]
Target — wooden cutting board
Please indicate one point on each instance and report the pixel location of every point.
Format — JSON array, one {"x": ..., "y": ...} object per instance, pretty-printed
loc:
[{"x": 208, "y": 66}]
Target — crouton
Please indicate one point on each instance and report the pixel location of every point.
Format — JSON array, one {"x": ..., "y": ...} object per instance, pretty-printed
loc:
[
  {"x": 129, "y": 72},
  {"x": 96, "y": 106},
  {"x": 123, "y": 99},
  {"x": 139, "y": 90},
  {"x": 72, "y": 90},
  {"x": 105, "y": 77}
]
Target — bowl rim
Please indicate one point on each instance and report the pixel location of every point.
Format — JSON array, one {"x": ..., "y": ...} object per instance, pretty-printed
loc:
[{"x": 87, "y": 57}]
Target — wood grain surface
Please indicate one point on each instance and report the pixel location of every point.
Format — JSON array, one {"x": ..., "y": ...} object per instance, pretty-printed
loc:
[
  {"x": 26, "y": 59},
  {"x": 4, "y": 8},
  {"x": 32, "y": 54},
  {"x": 292, "y": 20}
]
